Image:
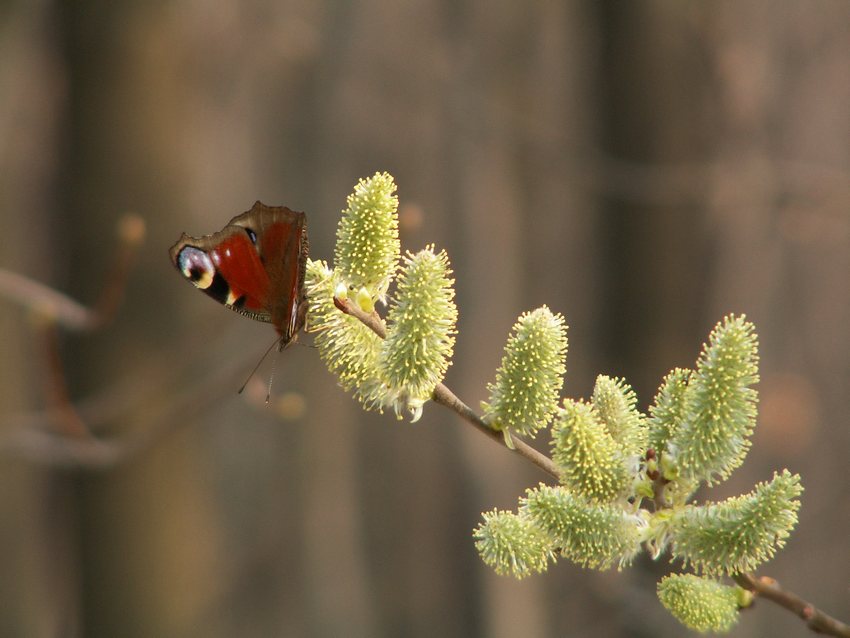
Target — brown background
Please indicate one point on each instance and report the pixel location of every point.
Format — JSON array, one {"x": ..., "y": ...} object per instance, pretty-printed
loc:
[{"x": 642, "y": 167}]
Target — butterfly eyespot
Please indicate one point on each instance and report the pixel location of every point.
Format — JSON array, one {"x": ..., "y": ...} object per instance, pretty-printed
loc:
[
  {"x": 252, "y": 236},
  {"x": 196, "y": 266}
]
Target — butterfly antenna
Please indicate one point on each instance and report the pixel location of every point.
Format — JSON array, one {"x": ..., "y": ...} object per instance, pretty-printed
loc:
[
  {"x": 271, "y": 377},
  {"x": 256, "y": 367}
]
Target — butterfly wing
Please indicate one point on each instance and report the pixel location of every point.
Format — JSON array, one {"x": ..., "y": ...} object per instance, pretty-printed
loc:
[{"x": 254, "y": 266}]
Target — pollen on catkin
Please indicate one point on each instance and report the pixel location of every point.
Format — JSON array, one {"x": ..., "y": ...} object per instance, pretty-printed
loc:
[
  {"x": 512, "y": 544},
  {"x": 701, "y": 604},
  {"x": 524, "y": 397},
  {"x": 367, "y": 248},
  {"x": 719, "y": 404},
  {"x": 591, "y": 535},
  {"x": 615, "y": 404},
  {"x": 740, "y": 533},
  {"x": 420, "y": 331},
  {"x": 348, "y": 348},
  {"x": 591, "y": 462},
  {"x": 668, "y": 410}
]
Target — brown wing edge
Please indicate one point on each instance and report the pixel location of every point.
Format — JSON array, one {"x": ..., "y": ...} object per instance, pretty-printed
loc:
[{"x": 254, "y": 218}]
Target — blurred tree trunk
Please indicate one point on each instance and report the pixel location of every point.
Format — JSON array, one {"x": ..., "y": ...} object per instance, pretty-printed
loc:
[
  {"x": 656, "y": 97},
  {"x": 725, "y": 141},
  {"x": 779, "y": 212},
  {"x": 40, "y": 587}
]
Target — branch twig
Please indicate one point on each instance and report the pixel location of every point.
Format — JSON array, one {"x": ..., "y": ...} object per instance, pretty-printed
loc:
[
  {"x": 446, "y": 397},
  {"x": 68, "y": 420},
  {"x": 40, "y": 438},
  {"x": 816, "y": 620},
  {"x": 61, "y": 309}
]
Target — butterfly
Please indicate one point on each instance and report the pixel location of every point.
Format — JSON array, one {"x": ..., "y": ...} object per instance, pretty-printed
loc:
[{"x": 254, "y": 265}]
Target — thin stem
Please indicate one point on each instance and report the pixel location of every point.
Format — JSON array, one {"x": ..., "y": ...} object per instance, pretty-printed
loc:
[
  {"x": 131, "y": 234},
  {"x": 68, "y": 420},
  {"x": 45, "y": 301},
  {"x": 446, "y": 397},
  {"x": 815, "y": 619}
]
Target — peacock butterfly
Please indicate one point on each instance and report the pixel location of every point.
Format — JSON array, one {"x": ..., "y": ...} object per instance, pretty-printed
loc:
[{"x": 254, "y": 265}]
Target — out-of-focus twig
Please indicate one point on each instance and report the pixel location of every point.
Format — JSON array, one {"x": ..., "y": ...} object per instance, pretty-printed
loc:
[
  {"x": 37, "y": 437},
  {"x": 131, "y": 234},
  {"x": 50, "y": 309},
  {"x": 68, "y": 421},
  {"x": 52, "y": 305},
  {"x": 45, "y": 301},
  {"x": 769, "y": 589}
]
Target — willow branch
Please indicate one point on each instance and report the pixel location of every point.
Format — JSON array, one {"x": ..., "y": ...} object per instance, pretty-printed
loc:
[
  {"x": 765, "y": 587},
  {"x": 815, "y": 619},
  {"x": 447, "y": 398}
]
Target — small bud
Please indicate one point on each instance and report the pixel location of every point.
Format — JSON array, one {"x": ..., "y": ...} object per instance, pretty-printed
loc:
[
  {"x": 669, "y": 467},
  {"x": 364, "y": 300},
  {"x": 744, "y": 597},
  {"x": 652, "y": 468}
]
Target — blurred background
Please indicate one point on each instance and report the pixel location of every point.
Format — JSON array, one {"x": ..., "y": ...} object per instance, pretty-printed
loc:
[{"x": 642, "y": 167}]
